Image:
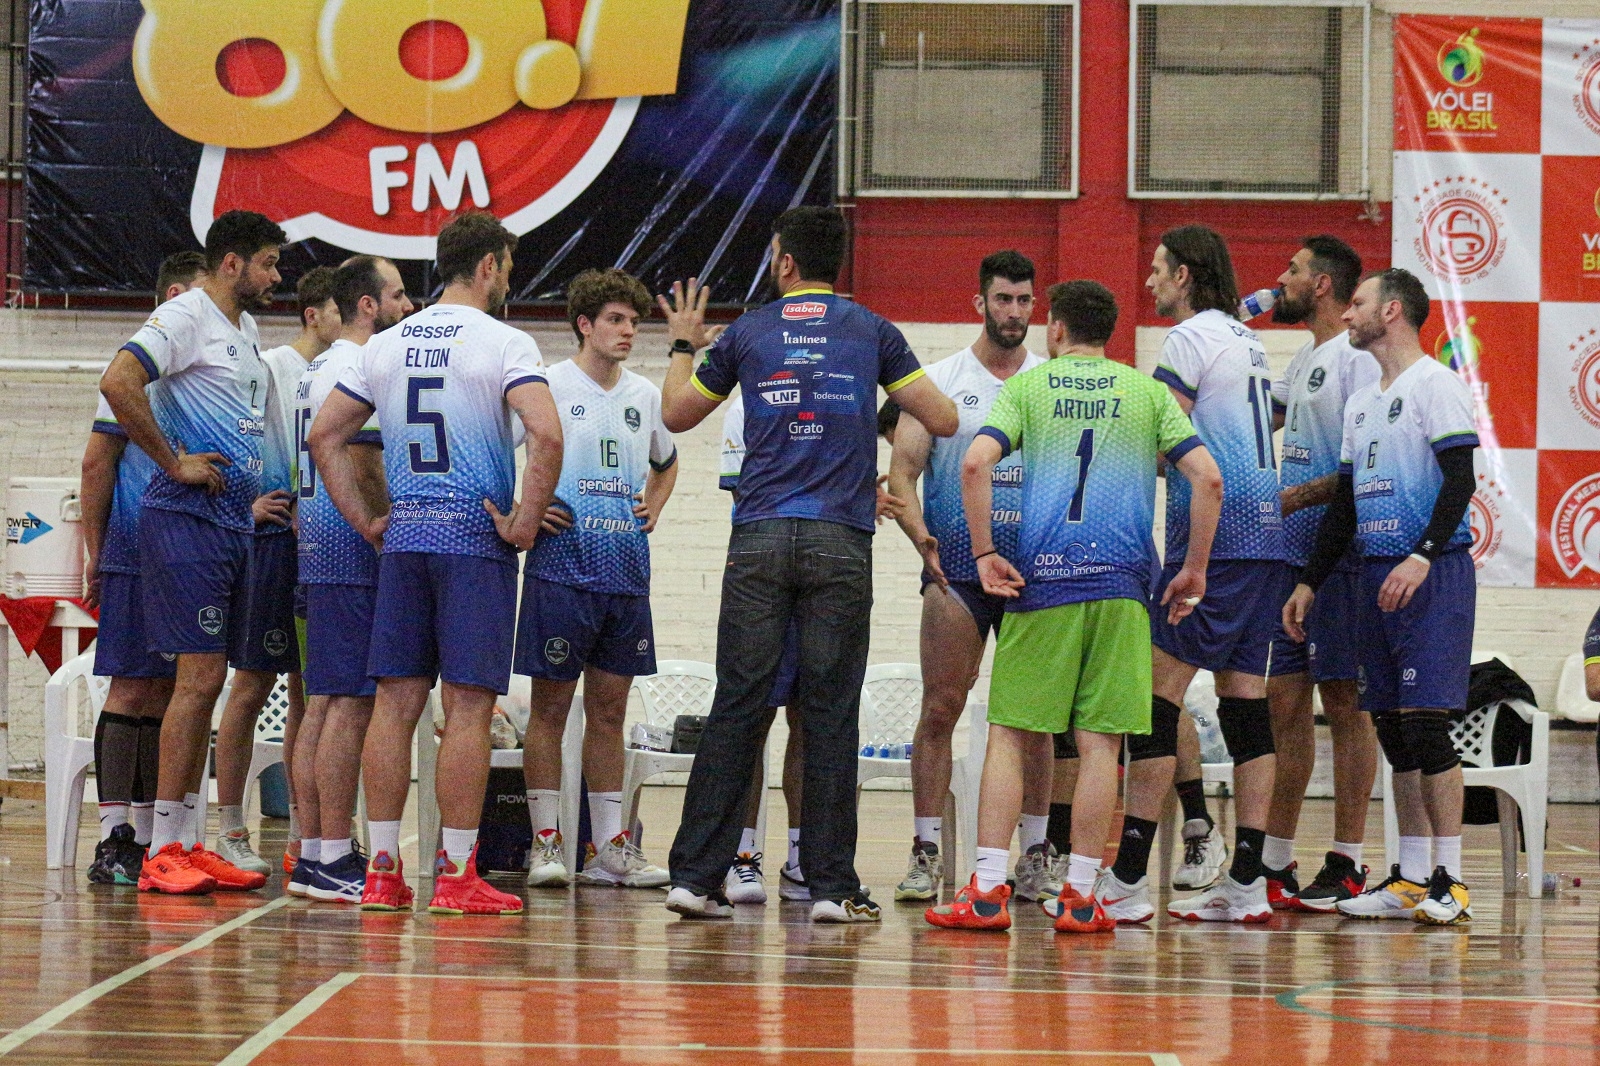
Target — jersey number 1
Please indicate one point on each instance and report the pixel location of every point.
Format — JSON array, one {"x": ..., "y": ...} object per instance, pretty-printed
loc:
[
  {"x": 1261, "y": 408},
  {"x": 416, "y": 416},
  {"x": 1085, "y": 455}
]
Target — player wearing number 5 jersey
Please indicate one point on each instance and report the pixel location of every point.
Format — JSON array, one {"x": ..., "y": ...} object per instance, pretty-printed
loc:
[{"x": 445, "y": 383}]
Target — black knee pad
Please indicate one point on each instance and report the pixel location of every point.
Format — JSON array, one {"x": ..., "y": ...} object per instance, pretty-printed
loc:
[
  {"x": 1391, "y": 738},
  {"x": 1246, "y": 728},
  {"x": 1427, "y": 735},
  {"x": 1066, "y": 745},
  {"x": 1163, "y": 739}
]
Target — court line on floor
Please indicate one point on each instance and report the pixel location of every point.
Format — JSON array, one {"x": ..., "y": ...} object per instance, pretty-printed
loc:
[
  {"x": 280, "y": 1026},
  {"x": 1291, "y": 1001},
  {"x": 17, "y": 1037}
]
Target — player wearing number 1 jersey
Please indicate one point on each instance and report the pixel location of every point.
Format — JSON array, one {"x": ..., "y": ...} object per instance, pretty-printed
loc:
[{"x": 445, "y": 384}]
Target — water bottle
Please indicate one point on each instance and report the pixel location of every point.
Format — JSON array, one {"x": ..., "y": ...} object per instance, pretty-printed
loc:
[
  {"x": 908, "y": 749},
  {"x": 869, "y": 750},
  {"x": 1258, "y": 303},
  {"x": 1555, "y": 884},
  {"x": 883, "y": 750}
]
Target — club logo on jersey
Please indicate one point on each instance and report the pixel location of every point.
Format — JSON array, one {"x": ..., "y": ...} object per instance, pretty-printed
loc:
[
  {"x": 1483, "y": 516},
  {"x": 349, "y": 122},
  {"x": 577, "y": 410},
  {"x": 1460, "y": 229},
  {"x": 1361, "y": 416},
  {"x": 970, "y": 400},
  {"x": 556, "y": 650},
  {"x": 1314, "y": 382},
  {"x": 1575, "y": 528},
  {"x": 210, "y": 620},
  {"x": 1584, "y": 392},
  {"x": 1586, "y": 100},
  {"x": 630, "y": 415},
  {"x": 275, "y": 643},
  {"x": 804, "y": 311},
  {"x": 1394, "y": 409}
]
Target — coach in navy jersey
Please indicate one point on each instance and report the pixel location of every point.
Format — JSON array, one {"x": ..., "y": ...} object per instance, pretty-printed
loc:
[{"x": 809, "y": 366}]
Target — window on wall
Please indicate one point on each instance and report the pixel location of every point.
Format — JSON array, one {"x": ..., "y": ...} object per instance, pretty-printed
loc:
[
  {"x": 1249, "y": 100},
  {"x": 958, "y": 99}
]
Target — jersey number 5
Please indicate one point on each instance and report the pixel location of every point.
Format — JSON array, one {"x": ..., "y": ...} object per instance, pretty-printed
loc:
[
  {"x": 416, "y": 416},
  {"x": 306, "y": 470}
]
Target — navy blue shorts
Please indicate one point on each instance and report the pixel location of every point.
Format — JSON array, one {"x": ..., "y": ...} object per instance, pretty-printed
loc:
[
  {"x": 562, "y": 629},
  {"x": 987, "y": 611},
  {"x": 196, "y": 582},
  {"x": 450, "y": 616},
  {"x": 266, "y": 640},
  {"x": 339, "y": 639},
  {"x": 1329, "y": 651},
  {"x": 788, "y": 668},
  {"x": 1420, "y": 655},
  {"x": 1232, "y": 627},
  {"x": 119, "y": 648}
]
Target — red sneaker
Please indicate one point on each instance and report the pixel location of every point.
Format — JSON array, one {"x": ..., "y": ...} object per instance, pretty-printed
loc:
[
  {"x": 1282, "y": 888},
  {"x": 973, "y": 909},
  {"x": 459, "y": 890},
  {"x": 170, "y": 870},
  {"x": 1079, "y": 915},
  {"x": 289, "y": 860},
  {"x": 386, "y": 888},
  {"x": 229, "y": 877}
]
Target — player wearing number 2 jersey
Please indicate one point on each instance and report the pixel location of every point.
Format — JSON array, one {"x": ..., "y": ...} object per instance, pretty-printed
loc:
[{"x": 445, "y": 383}]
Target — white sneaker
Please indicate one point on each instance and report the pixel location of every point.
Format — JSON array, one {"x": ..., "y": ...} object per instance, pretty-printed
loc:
[
  {"x": 1447, "y": 902},
  {"x": 619, "y": 862},
  {"x": 792, "y": 884},
  {"x": 744, "y": 883},
  {"x": 1059, "y": 864},
  {"x": 235, "y": 847},
  {"x": 1204, "y": 852},
  {"x": 1033, "y": 875},
  {"x": 857, "y": 908},
  {"x": 924, "y": 874},
  {"x": 1393, "y": 897},
  {"x": 1127, "y": 904},
  {"x": 1226, "y": 901},
  {"x": 691, "y": 904},
  {"x": 547, "y": 868}
]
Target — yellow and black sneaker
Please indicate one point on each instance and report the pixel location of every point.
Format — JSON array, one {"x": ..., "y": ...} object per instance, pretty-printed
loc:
[
  {"x": 1447, "y": 902},
  {"x": 1393, "y": 897}
]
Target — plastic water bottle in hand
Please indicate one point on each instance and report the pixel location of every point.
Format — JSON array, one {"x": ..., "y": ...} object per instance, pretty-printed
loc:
[{"x": 1258, "y": 303}]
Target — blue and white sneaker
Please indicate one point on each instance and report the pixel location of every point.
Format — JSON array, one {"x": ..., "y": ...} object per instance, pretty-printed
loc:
[
  {"x": 305, "y": 872},
  {"x": 339, "y": 881}
]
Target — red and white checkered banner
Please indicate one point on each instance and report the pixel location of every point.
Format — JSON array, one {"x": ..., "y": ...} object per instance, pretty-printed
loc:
[{"x": 1497, "y": 210}]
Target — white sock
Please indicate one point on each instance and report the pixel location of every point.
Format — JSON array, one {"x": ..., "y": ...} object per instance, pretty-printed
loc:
[
  {"x": 747, "y": 841},
  {"x": 992, "y": 863},
  {"x": 1277, "y": 853},
  {"x": 929, "y": 830},
  {"x": 1032, "y": 829},
  {"x": 1349, "y": 851},
  {"x": 143, "y": 816},
  {"x": 458, "y": 845},
  {"x": 1081, "y": 872},
  {"x": 311, "y": 849},
  {"x": 168, "y": 826},
  {"x": 383, "y": 838},
  {"x": 605, "y": 816},
  {"x": 111, "y": 816},
  {"x": 334, "y": 850},
  {"x": 544, "y": 808},
  {"x": 230, "y": 819},
  {"x": 794, "y": 849},
  {"x": 1414, "y": 865},
  {"x": 192, "y": 829},
  {"x": 1447, "y": 853}
]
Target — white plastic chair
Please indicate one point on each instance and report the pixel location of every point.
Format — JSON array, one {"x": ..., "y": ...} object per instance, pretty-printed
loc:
[
  {"x": 1572, "y": 697},
  {"x": 966, "y": 786},
  {"x": 1520, "y": 787},
  {"x": 1201, "y": 695},
  {"x": 268, "y": 747}
]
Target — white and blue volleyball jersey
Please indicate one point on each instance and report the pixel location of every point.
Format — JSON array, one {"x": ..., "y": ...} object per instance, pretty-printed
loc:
[
  {"x": 119, "y": 548},
  {"x": 973, "y": 389},
  {"x": 331, "y": 551},
  {"x": 438, "y": 382},
  {"x": 731, "y": 460},
  {"x": 1312, "y": 395},
  {"x": 613, "y": 439},
  {"x": 285, "y": 367},
  {"x": 1219, "y": 364},
  {"x": 1390, "y": 440},
  {"x": 208, "y": 390}
]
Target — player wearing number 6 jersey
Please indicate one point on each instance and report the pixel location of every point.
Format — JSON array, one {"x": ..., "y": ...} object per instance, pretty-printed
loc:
[{"x": 445, "y": 384}]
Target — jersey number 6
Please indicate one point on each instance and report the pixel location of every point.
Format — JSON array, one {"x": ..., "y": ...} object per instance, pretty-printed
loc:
[{"x": 416, "y": 416}]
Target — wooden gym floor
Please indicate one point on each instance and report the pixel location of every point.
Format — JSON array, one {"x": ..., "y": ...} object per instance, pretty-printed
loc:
[{"x": 602, "y": 975}]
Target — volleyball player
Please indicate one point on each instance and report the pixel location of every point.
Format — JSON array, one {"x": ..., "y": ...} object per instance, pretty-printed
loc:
[
  {"x": 189, "y": 388},
  {"x": 127, "y": 734},
  {"x": 445, "y": 384},
  {"x": 1405, "y": 482},
  {"x": 586, "y": 589}
]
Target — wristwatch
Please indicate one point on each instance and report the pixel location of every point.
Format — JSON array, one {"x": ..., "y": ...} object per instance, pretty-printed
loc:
[{"x": 681, "y": 345}]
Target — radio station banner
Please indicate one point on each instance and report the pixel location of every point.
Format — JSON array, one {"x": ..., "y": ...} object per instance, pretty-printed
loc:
[
  {"x": 661, "y": 136},
  {"x": 1497, "y": 210}
]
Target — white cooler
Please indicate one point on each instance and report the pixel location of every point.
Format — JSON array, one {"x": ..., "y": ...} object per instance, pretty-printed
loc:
[{"x": 44, "y": 538}]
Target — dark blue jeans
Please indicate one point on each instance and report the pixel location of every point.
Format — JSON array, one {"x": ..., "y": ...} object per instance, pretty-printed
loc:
[{"x": 819, "y": 573}]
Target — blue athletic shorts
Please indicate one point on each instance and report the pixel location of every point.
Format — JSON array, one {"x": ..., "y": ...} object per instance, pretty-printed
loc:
[
  {"x": 1232, "y": 627},
  {"x": 562, "y": 629},
  {"x": 196, "y": 582},
  {"x": 119, "y": 648},
  {"x": 1329, "y": 651},
  {"x": 450, "y": 616},
  {"x": 987, "y": 611},
  {"x": 266, "y": 640},
  {"x": 1420, "y": 655},
  {"x": 339, "y": 639},
  {"x": 788, "y": 668}
]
